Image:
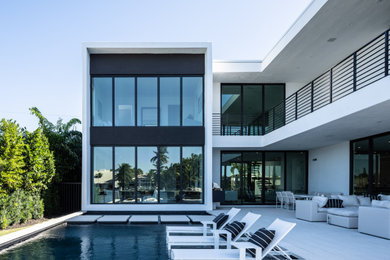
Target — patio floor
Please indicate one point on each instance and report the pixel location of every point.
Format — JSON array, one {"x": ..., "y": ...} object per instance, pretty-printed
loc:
[{"x": 318, "y": 240}]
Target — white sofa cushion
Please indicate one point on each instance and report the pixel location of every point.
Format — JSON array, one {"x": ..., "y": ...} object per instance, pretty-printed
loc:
[
  {"x": 323, "y": 210},
  {"x": 364, "y": 201},
  {"x": 349, "y": 200},
  {"x": 345, "y": 212},
  {"x": 320, "y": 200},
  {"x": 381, "y": 204}
]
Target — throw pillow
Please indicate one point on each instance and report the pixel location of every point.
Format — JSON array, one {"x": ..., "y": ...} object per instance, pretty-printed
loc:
[
  {"x": 234, "y": 228},
  {"x": 334, "y": 203},
  {"x": 349, "y": 200},
  {"x": 220, "y": 220},
  {"x": 261, "y": 238},
  {"x": 320, "y": 200}
]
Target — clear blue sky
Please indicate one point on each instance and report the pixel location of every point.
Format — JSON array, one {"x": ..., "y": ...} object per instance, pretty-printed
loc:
[{"x": 40, "y": 44}]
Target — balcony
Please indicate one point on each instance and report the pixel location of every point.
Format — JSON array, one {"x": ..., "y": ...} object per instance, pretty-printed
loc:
[{"x": 359, "y": 70}]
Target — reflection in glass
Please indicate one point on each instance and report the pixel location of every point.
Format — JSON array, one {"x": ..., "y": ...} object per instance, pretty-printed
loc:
[
  {"x": 169, "y": 101},
  {"x": 169, "y": 174},
  {"x": 296, "y": 172},
  {"x": 252, "y": 109},
  {"x": 192, "y": 101},
  {"x": 147, "y": 101},
  {"x": 124, "y": 174},
  {"x": 360, "y": 167},
  {"x": 102, "y": 101},
  {"x": 274, "y": 175},
  {"x": 124, "y": 101},
  {"x": 102, "y": 175},
  {"x": 231, "y": 177},
  {"x": 274, "y": 95},
  {"x": 381, "y": 164},
  {"x": 252, "y": 177},
  {"x": 192, "y": 174},
  {"x": 231, "y": 110},
  {"x": 147, "y": 191}
]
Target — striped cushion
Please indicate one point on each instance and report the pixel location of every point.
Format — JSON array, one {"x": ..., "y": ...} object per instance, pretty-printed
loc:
[
  {"x": 234, "y": 228},
  {"x": 334, "y": 203},
  {"x": 261, "y": 238},
  {"x": 220, "y": 219}
]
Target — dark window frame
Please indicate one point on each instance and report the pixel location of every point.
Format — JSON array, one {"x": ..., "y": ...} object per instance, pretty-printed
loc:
[
  {"x": 136, "y": 76},
  {"x": 158, "y": 174},
  {"x": 263, "y": 170},
  {"x": 242, "y": 102},
  {"x": 370, "y": 162}
]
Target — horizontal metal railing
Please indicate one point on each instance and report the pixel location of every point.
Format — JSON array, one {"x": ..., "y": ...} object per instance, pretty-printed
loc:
[{"x": 365, "y": 66}]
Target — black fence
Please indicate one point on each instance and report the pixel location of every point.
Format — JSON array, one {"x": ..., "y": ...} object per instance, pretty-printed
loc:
[
  {"x": 70, "y": 197},
  {"x": 365, "y": 66}
]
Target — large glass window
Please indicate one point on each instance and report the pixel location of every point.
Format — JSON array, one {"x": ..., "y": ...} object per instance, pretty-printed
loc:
[
  {"x": 169, "y": 174},
  {"x": 253, "y": 177},
  {"x": 102, "y": 101},
  {"x": 147, "y": 101},
  {"x": 147, "y": 190},
  {"x": 169, "y": 101},
  {"x": 381, "y": 164},
  {"x": 102, "y": 183},
  {"x": 360, "y": 166},
  {"x": 243, "y": 107},
  {"x": 124, "y": 174},
  {"x": 192, "y": 101},
  {"x": 296, "y": 169},
  {"x": 274, "y": 174},
  {"x": 124, "y": 102},
  {"x": 192, "y": 164},
  {"x": 231, "y": 110}
]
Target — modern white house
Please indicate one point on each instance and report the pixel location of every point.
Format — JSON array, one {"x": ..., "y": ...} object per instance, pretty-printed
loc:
[{"x": 162, "y": 122}]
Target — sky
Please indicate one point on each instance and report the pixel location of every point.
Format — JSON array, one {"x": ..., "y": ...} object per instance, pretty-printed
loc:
[{"x": 40, "y": 41}]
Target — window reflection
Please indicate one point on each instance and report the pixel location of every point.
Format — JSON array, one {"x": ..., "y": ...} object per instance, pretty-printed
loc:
[
  {"x": 169, "y": 101},
  {"x": 192, "y": 101},
  {"x": 169, "y": 174},
  {"x": 147, "y": 191},
  {"x": 124, "y": 174},
  {"x": 124, "y": 101},
  {"x": 102, "y": 175},
  {"x": 147, "y": 101},
  {"x": 102, "y": 101},
  {"x": 192, "y": 174}
]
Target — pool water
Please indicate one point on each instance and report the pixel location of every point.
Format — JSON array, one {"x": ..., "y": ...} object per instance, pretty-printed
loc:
[{"x": 94, "y": 241}]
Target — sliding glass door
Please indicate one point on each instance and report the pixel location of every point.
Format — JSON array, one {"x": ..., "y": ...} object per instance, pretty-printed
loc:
[{"x": 253, "y": 177}]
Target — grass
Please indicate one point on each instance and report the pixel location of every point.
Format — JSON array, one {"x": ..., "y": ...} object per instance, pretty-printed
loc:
[{"x": 8, "y": 231}]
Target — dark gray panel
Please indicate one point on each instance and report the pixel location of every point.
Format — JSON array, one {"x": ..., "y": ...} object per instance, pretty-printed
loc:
[
  {"x": 147, "y": 135},
  {"x": 144, "y": 64}
]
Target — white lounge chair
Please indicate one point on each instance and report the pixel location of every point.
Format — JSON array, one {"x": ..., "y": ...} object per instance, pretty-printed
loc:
[
  {"x": 282, "y": 228},
  {"x": 279, "y": 199},
  {"x": 249, "y": 219},
  {"x": 205, "y": 228}
]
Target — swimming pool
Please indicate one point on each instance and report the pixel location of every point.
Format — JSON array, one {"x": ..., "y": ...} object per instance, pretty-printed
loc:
[{"x": 95, "y": 241}]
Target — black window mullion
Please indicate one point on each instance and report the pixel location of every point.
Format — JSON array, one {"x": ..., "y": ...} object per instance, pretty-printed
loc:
[
  {"x": 285, "y": 171},
  {"x": 242, "y": 109},
  {"x": 113, "y": 100},
  {"x": 263, "y": 180},
  {"x": 136, "y": 101},
  {"x": 181, "y": 174},
  {"x": 262, "y": 111},
  {"x": 370, "y": 166},
  {"x": 158, "y": 174}
]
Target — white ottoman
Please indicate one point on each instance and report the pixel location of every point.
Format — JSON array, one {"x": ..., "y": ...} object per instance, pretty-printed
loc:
[{"x": 344, "y": 217}]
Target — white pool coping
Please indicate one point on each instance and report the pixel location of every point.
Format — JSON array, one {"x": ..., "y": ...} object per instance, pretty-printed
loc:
[
  {"x": 20, "y": 235},
  {"x": 144, "y": 219},
  {"x": 114, "y": 219},
  {"x": 174, "y": 219},
  {"x": 85, "y": 219}
]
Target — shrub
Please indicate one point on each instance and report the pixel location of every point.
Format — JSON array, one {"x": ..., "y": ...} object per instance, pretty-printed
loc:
[{"x": 19, "y": 207}]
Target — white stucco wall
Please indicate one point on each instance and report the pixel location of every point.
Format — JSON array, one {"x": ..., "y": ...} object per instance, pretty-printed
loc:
[
  {"x": 329, "y": 168},
  {"x": 217, "y": 166},
  {"x": 216, "y": 97},
  {"x": 292, "y": 87}
]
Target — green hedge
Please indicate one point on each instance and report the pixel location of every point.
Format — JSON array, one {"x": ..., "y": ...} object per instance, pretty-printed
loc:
[{"x": 19, "y": 207}]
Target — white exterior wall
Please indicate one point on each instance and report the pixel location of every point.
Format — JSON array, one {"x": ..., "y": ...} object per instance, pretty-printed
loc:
[
  {"x": 329, "y": 169},
  {"x": 217, "y": 166},
  {"x": 292, "y": 87}
]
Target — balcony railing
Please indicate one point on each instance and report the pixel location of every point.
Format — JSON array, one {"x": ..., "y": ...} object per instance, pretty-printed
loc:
[
  {"x": 365, "y": 66},
  {"x": 362, "y": 68}
]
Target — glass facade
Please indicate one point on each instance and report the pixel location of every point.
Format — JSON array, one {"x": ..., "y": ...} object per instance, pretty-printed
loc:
[
  {"x": 243, "y": 107},
  {"x": 371, "y": 165},
  {"x": 102, "y": 102},
  {"x": 161, "y": 101},
  {"x": 124, "y": 102},
  {"x": 253, "y": 177},
  {"x": 147, "y": 174},
  {"x": 192, "y": 101},
  {"x": 170, "y": 101},
  {"x": 102, "y": 175}
]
